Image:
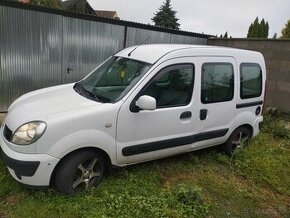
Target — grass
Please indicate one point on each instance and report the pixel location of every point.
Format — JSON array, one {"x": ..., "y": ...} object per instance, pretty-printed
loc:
[{"x": 255, "y": 183}]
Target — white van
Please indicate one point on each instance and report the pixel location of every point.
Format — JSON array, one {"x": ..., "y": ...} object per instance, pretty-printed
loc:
[{"x": 143, "y": 103}]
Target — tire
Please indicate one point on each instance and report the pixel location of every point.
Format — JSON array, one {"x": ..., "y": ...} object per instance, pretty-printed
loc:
[
  {"x": 80, "y": 171},
  {"x": 238, "y": 139}
]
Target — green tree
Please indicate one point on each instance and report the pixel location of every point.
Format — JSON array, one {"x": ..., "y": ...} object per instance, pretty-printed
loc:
[
  {"x": 46, "y": 3},
  {"x": 262, "y": 29},
  {"x": 249, "y": 35},
  {"x": 258, "y": 29},
  {"x": 166, "y": 17},
  {"x": 266, "y": 30},
  {"x": 286, "y": 31},
  {"x": 226, "y": 35}
]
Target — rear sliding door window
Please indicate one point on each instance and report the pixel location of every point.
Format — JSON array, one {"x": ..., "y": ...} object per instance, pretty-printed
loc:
[
  {"x": 217, "y": 82},
  {"x": 251, "y": 80}
]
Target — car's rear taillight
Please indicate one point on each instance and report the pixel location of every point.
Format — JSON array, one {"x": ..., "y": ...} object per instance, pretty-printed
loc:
[{"x": 265, "y": 93}]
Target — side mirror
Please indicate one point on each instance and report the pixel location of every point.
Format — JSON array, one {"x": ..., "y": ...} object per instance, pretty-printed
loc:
[{"x": 146, "y": 102}]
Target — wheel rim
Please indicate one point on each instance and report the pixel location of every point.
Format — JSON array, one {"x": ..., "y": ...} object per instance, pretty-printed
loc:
[
  {"x": 87, "y": 174},
  {"x": 239, "y": 140}
]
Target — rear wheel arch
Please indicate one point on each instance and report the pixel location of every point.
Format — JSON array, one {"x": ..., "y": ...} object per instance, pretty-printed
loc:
[
  {"x": 245, "y": 131},
  {"x": 248, "y": 126}
]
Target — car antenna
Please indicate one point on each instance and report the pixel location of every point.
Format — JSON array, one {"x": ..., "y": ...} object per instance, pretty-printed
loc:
[
  {"x": 132, "y": 50},
  {"x": 138, "y": 46}
]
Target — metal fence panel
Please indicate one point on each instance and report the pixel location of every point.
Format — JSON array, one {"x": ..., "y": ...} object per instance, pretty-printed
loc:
[
  {"x": 38, "y": 46},
  {"x": 31, "y": 52},
  {"x": 86, "y": 44},
  {"x": 136, "y": 36},
  {"x": 179, "y": 39}
]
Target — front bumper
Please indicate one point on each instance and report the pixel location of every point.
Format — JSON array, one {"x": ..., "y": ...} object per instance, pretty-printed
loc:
[
  {"x": 21, "y": 168},
  {"x": 29, "y": 169}
]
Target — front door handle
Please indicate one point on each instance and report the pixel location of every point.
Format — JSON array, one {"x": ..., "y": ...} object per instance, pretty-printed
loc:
[
  {"x": 203, "y": 114},
  {"x": 185, "y": 115}
]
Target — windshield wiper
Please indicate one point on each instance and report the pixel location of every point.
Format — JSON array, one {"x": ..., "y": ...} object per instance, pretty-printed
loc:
[
  {"x": 79, "y": 88},
  {"x": 103, "y": 98}
]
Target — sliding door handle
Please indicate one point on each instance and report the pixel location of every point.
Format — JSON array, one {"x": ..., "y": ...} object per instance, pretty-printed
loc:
[{"x": 203, "y": 114}]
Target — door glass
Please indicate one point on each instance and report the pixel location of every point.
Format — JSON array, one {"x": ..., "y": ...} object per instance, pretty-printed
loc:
[
  {"x": 217, "y": 82},
  {"x": 172, "y": 86}
]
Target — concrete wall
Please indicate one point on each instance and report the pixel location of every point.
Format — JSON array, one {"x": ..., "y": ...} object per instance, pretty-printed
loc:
[
  {"x": 2, "y": 116},
  {"x": 277, "y": 57}
]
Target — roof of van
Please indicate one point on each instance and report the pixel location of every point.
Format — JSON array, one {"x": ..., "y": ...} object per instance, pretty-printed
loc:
[{"x": 153, "y": 52}]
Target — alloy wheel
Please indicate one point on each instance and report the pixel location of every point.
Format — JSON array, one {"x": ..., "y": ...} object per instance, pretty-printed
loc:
[{"x": 87, "y": 174}]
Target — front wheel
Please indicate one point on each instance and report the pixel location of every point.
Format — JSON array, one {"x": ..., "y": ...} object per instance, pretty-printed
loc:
[
  {"x": 80, "y": 171},
  {"x": 237, "y": 140}
]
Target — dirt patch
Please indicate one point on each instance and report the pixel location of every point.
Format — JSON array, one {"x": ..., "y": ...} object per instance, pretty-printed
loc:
[
  {"x": 2, "y": 215},
  {"x": 270, "y": 198},
  {"x": 11, "y": 200},
  {"x": 270, "y": 211},
  {"x": 287, "y": 125},
  {"x": 178, "y": 178}
]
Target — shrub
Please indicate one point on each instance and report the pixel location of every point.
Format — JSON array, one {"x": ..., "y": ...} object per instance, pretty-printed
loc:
[{"x": 275, "y": 127}]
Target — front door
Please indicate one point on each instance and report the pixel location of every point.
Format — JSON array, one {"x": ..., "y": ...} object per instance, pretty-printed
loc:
[{"x": 145, "y": 135}]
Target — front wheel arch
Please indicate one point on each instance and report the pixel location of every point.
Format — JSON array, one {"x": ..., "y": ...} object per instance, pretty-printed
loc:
[{"x": 93, "y": 149}]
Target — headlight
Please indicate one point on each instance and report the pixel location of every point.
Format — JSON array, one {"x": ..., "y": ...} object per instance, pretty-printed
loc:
[{"x": 28, "y": 133}]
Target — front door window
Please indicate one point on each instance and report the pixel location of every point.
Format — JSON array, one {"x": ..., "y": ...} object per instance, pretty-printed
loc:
[{"x": 173, "y": 86}]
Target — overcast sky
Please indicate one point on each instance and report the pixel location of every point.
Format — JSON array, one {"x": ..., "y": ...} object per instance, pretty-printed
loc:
[{"x": 213, "y": 17}]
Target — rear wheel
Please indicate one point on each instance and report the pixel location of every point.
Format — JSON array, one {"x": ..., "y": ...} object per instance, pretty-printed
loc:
[
  {"x": 80, "y": 171},
  {"x": 237, "y": 140}
]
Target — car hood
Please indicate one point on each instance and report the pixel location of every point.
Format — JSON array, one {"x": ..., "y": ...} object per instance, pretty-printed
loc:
[{"x": 39, "y": 104}]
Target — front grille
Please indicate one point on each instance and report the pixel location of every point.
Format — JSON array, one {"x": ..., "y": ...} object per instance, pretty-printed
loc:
[{"x": 7, "y": 133}]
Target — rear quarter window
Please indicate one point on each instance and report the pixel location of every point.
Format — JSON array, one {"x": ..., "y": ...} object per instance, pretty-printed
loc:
[{"x": 250, "y": 80}]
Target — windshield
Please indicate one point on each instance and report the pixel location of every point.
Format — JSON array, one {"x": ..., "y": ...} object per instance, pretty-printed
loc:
[{"x": 112, "y": 80}]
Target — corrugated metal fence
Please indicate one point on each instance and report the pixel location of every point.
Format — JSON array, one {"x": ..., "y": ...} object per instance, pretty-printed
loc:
[{"x": 44, "y": 47}]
